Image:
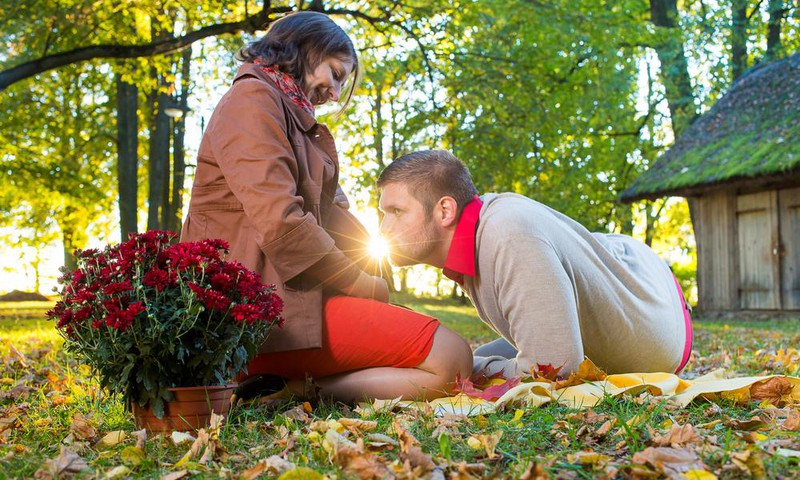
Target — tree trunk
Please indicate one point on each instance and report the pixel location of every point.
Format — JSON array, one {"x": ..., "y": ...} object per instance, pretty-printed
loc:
[
  {"x": 674, "y": 68},
  {"x": 159, "y": 161},
  {"x": 178, "y": 150},
  {"x": 127, "y": 160},
  {"x": 738, "y": 38},
  {"x": 774, "y": 45}
]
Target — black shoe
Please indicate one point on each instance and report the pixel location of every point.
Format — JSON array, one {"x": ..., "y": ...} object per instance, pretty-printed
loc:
[{"x": 258, "y": 386}]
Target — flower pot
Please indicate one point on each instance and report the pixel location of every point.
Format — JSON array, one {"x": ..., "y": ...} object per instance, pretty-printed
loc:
[{"x": 189, "y": 410}]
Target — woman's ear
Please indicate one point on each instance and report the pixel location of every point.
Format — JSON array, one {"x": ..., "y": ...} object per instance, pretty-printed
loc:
[{"x": 446, "y": 211}]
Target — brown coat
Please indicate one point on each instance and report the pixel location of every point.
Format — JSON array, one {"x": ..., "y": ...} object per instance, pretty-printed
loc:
[{"x": 266, "y": 176}]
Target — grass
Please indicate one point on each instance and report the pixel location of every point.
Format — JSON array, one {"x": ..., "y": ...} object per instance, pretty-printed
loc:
[{"x": 42, "y": 390}]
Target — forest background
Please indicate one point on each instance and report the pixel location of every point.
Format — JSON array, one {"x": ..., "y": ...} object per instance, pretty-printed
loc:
[{"x": 565, "y": 101}]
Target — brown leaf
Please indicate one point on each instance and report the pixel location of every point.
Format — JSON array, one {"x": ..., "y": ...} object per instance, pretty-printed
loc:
[
  {"x": 669, "y": 461},
  {"x": 418, "y": 459},
  {"x": 274, "y": 466},
  {"x": 587, "y": 372},
  {"x": 175, "y": 475},
  {"x": 82, "y": 429},
  {"x": 755, "y": 423},
  {"x": 141, "y": 438},
  {"x": 750, "y": 462},
  {"x": 298, "y": 413},
  {"x": 67, "y": 463},
  {"x": 357, "y": 425},
  {"x": 774, "y": 390},
  {"x": 364, "y": 465},
  {"x": 6, "y": 425},
  {"x": 535, "y": 471},
  {"x": 677, "y": 436},
  {"x": 404, "y": 436}
]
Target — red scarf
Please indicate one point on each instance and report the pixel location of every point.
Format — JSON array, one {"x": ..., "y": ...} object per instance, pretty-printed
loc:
[{"x": 289, "y": 86}]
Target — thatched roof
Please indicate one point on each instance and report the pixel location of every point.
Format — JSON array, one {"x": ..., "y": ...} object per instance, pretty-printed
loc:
[{"x": 753, "y": 131}]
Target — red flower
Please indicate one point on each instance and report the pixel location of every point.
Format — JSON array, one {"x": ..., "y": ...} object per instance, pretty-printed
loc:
[
  {"x": 119, "y": 287},
  {"x": 248, "y": 313},
  {"x": 157, "y": 278}
]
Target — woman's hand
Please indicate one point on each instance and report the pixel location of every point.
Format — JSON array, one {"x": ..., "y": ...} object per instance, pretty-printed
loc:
[{"x": 340, "y": 198}]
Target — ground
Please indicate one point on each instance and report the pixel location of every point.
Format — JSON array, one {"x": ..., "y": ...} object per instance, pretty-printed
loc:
[{"x": 54, "y": 420}]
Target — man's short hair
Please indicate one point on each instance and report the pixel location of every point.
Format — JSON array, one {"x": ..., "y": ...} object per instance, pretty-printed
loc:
[{"x": 430, "y": 175}]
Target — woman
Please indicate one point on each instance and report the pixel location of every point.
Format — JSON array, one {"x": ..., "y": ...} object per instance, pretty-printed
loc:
[{"x": 267, "y": 175}]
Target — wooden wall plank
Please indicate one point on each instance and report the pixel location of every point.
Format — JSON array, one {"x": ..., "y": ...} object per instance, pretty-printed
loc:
[
  {"x": 756, "y": 224},
  {"x": 789, "y": 208}
]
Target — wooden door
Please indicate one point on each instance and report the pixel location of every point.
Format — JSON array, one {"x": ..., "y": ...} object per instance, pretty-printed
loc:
[
  {"x": 759, "y": 269},
  {"x": 789, "y": 249}
]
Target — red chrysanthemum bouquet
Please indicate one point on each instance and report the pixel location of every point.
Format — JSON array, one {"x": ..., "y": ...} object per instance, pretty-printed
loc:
[{"x": 148, "y": 315}]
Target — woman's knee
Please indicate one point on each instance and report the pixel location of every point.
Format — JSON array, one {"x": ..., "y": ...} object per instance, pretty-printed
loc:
[{"x": 450, "y": 355}]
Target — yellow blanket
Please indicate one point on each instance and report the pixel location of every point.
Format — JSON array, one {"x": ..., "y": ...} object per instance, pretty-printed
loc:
[{"x": 776, "y": 389}]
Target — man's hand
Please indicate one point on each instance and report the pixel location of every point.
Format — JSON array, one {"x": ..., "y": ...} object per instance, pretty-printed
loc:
[{"x": 340, "y": 198}]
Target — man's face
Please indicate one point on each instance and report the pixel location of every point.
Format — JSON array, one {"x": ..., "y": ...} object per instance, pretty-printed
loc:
[{"x": 412, "y": 236}]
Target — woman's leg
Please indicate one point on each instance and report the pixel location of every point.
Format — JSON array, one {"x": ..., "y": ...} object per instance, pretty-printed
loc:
[
  {"x": 449, "y": 357},
  {"x": 374, "y": 350}
]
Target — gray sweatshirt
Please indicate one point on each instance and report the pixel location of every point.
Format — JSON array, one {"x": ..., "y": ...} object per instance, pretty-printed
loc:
[{"x": 558, "y": 292}]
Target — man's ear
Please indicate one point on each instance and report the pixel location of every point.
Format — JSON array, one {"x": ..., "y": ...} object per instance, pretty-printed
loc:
[{"x": 446, "y": 211}]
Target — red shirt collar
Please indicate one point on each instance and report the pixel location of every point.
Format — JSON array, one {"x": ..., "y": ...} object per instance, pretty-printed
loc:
[{"x": 461, "y": 256}]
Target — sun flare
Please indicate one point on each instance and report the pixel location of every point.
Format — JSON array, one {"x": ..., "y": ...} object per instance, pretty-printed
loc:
[{"x": 378, "y": 248}]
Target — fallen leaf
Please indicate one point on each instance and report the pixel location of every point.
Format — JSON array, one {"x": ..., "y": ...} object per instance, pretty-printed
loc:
[
  {"x": 175, "y": 475},
  {"x": 404, "y": 436},
  {"x": 754, "y": 423},
  {"x": 418, "y": 459},
  {"x": 588, "y": 457},
  {"x": 535, "y": 471},
  {"x": 677, "y": 436},
  {"x": 546, "y": 372},
  {"x": 699, "y": 475},
  {"x": 132, "y": 456},
  {"x": 111, "y": 439},
  {"x": 786, "y": 452},
  {"x": 364, "y": 465},
  {"x": 81, "y": 428},
  {"x": 587, "y": 372},
  {"x": 301, "y": 473},
  {"x": 273, "y": 466},
  {"x": 117, "y": 472},
  {"x": 67, "y": 463},
  {"x": 774, "y": 390},
  {"x": 181, "y": 437},
  {"x": 749, "y": 461},
  {"x": 487, "y": 442},
  {"x": 489, "y": 393},
  {"x": 141, "y": 438},
  {"x": 358, "y": 425},
  {"x": 669, "y": 461}
]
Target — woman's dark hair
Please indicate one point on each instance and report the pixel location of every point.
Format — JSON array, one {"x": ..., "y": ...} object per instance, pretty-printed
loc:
[{"x": 299, "y": 42}]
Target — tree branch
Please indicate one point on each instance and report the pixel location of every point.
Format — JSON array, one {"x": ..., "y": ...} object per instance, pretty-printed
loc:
[{"x": 50, "y": 62}]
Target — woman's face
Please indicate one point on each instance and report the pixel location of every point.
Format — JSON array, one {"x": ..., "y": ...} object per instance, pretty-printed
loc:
[{"x": 325, "y": 82}]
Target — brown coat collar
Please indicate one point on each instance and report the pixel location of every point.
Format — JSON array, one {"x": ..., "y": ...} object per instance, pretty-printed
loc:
[{"x": 303, "y": 119}]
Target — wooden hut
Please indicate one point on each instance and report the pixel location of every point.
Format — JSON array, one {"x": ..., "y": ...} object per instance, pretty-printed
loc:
[{"x": 739, "y": 166}]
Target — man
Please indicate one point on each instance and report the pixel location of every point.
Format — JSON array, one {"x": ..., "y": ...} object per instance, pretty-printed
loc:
[{"x": 551, "y": 289}]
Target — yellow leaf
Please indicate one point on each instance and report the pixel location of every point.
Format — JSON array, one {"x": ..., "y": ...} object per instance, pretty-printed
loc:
[
  {"x": 474, "y": 443},
  {"x": 117, "y": 472},
  {"x": 132, "y": 456},
  {"x": 699, "y": 475},
  {"x": 112, "y": 438},
  {"x": 301, "y": 473}
]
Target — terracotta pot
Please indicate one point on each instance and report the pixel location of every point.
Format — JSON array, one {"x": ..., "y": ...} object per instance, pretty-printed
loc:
[{"x": 189, "y": 410}]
